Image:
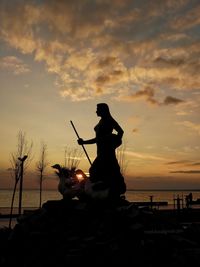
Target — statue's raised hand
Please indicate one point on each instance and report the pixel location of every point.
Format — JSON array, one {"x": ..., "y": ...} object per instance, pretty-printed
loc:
[{"x": 80, "y": 141}]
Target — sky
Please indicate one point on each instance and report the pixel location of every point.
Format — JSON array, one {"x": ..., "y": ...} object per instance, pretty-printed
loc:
[{"x": 58, "y": 59}]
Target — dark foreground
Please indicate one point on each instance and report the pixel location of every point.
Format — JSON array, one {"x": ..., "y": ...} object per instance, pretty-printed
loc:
[{"x": 67, "y": 233}]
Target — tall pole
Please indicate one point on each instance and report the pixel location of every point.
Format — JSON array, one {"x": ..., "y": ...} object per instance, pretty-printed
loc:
[
  {"x": 81, "y": 145},
  {"x": 21, "y": 182}
]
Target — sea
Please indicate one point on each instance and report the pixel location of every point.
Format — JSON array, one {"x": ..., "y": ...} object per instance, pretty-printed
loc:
[{"x": 30, "y": 199}]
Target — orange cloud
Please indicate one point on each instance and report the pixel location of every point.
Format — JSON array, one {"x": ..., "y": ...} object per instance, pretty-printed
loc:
[
  {"x": 104, "y": 47},
  {"x": 14, "y": 65}
]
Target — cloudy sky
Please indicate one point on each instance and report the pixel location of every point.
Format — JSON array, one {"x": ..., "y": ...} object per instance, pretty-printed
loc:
[{"x": 58, "y": 59}]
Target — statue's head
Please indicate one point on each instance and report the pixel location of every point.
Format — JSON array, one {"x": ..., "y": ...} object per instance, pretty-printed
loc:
[{"x": 102, "y": 110}]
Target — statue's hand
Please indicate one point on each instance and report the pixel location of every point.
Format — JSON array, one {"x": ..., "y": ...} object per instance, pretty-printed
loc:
[{"x": 80, "y": 141}]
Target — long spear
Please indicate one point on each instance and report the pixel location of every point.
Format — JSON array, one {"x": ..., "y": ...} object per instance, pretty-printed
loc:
[{"x": 82, "y": 144}]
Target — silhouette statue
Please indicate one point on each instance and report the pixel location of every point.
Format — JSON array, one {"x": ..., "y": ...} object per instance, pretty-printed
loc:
[{"x": 105, "y": 170}]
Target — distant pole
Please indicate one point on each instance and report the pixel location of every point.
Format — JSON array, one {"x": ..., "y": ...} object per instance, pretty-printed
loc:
[
  {"x": 151, "y": 201},
  {"x": 81, "y": 145},
  {"x": 178, "y": 203},
  {"x": 21, "y": 182}
]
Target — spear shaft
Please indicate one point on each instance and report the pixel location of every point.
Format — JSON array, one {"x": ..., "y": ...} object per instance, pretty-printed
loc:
[{"x": 82, "y": 144}]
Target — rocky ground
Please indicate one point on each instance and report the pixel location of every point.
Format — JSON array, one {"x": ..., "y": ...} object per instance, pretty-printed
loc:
[{"x": 72, "y": 232}]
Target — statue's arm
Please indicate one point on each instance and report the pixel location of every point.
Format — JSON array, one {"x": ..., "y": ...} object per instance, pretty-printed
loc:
[{"x": 86, "y": 142}]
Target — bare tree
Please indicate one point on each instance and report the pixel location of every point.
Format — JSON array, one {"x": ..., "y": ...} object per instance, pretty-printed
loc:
[
  {"x": 24, "y": 147},
  {"x": 72, "y": 157},
  {"x": 41, "y": 166},
  {"x": 121, "y": 157},
  {"x": 19, "y": 165}
]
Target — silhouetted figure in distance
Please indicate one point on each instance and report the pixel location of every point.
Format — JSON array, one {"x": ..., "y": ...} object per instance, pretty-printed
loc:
[
  {"x": 189, "y": 199},
  {"x": 105, "y": 170}
]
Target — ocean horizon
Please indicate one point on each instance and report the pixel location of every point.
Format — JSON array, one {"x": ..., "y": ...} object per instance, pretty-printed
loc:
[{"x": 30, "y": 197}]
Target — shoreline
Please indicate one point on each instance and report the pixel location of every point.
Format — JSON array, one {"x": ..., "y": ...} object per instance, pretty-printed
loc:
[{"x": 190, "y": 215}]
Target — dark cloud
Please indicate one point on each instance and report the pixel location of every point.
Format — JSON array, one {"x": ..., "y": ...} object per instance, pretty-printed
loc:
[
  {"x": 103, "y": 79},
  {"x": 185, "y": 163},
  {"x": 177, "y": 162},
  {"x": 106, "y": 62},
  {"x": 195, "y": 164},
  {"x": 172, "y": 100},
  {"x": 135, "y": 130},
  {"x": 117, "y": 73},
  {"x": 169, "y": 61},
  {"x": 149, "y": 95},
  {"x": 149, "y": 92},
  {"x": 189, "y": 172},
  {"x": 110, "y": 78}
]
